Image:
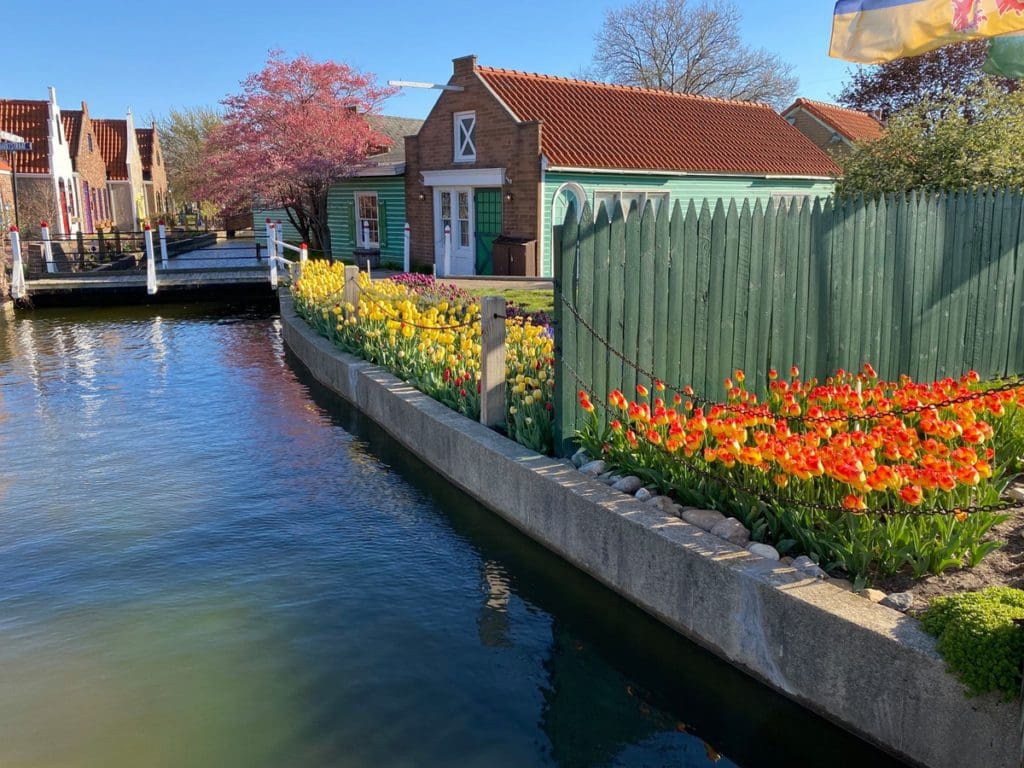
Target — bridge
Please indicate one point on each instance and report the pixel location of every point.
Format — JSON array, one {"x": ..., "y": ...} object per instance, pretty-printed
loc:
[{"x": 141, "y": 267}]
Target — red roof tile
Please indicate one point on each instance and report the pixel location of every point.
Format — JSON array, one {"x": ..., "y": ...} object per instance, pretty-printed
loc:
[
  {"x": 144, "y": 138},
  {"x": 851, "y": 123},
  {"x": 112, "y": 137},
  {"x": 28, "y": 119},
  {"x": 596, "y": 125},
  {"x": 72, "y": 120}
]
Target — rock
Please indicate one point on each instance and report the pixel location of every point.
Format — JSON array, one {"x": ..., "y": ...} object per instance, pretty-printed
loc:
[
  {"x": 706, "y": 519},
  {"x": 787, "y": 560},
  {"x": 593, "y": 468},
  {"x": 580, "y": 458},
  {"x": 809, "y": 568},
  {"x": 663, "y": 504},
  {"x": 901, "y": 601},
  {"x": 629, "y": 484},
  {"x": 643, "y": 495},
  {"x": 1016, "y": 492},
  {"x": 874, "y": 595},
  {"x": 733, "y": 531},
  {"x": 844, "y": 584},
  {"x": 611, "y": 479},
  {"x": 766, "y": 551}
]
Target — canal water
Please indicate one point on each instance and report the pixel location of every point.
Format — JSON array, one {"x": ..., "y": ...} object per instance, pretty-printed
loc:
[{"x": 208, "y": 560}]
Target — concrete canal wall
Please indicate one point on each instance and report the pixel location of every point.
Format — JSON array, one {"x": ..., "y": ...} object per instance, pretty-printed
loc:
[{"x": 868, "y": 668}]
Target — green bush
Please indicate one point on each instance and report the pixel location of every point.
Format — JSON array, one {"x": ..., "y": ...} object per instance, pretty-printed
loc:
[{"x": 979, "y": 639}]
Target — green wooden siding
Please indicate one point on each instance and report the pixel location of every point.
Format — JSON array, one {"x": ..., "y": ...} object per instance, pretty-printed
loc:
[
  {"x": 341, "y": 215},
  {"x": 259, "y": 225},
  {"x": 680, "y": 188},
  {"x": 925, "y": 285}
]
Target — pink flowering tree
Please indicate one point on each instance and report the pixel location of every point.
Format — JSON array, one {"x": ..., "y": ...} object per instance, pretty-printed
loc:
[{"x": 297, "y": 127}]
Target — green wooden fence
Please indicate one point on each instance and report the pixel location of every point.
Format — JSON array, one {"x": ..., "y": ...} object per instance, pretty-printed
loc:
[{"x": 929, "y": 285}]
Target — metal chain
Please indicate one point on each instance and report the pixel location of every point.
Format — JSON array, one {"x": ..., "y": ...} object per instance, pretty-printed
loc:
[
  {"x": 1009, "y": 383},
  {"x": 782, "y": 499}
]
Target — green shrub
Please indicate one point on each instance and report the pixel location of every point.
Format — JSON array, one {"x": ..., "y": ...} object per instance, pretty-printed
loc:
[{"x": 979, "y": 638}]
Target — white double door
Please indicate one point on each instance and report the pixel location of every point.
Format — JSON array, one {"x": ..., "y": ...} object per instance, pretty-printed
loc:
[{"x": 453, "y": 212}]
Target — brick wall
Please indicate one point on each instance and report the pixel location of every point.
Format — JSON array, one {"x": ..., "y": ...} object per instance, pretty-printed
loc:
[
  {"x": 158, "y": 173},
  {"x": 6, "y": 198},
  {"x": 819, "y": 133},
  {"x": 89, "y": 165},
  {"x": 501, "y": 142}
]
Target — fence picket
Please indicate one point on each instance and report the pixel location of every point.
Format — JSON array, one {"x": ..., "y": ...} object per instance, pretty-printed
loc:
[
  {"x": 672, "y": 331},
  {"x": 645, "y": 322},
  {"x": 602, "y": 272},
  {"x": 702, "y": 285},
  {"x": 616, "y": 297},
  {"x": 661, "y": 274},
  {"x": 584, "y": 303},
  {"x": 686, "y": 252}
]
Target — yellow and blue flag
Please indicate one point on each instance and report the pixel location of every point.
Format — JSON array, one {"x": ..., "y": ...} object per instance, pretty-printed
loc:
[{"x": 876, "y": 31}]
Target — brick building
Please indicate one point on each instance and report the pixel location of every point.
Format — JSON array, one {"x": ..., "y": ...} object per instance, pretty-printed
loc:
[
  {"x": 90, "y": 169},
  {"x": 119, "y": 146},
  {"x": 6, "y": 196},
  {"x": 503, "y": 153},
  {"x": 154, "y": 172},
  {"x": 45, "y": 175},
  {"x": 832, "y": 128}
]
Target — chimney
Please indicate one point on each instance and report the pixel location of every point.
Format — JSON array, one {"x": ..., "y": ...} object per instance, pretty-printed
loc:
[
  {"x": 464, "y": 66},
  {"x": 53, "y": 94}
]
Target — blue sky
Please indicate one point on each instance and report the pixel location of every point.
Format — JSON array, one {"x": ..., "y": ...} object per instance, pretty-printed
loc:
[{"x": 189, "y": 54}]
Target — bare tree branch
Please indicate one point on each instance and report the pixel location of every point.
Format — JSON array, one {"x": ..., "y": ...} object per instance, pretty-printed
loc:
[{"x": 673, "y": 45}]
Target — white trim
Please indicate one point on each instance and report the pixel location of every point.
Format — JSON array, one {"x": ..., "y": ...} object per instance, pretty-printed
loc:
[
  {"x": 470, "y": 139},
  {"x": 394, "y": 169},
  {"x": 471, "y": 177},
  {"x": 543, "y": 215},
  {"x": 729, "y": 174},
  {"x": 497, "y": 98}
]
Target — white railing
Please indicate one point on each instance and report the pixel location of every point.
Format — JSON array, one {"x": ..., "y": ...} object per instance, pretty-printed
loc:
[{"x": 276, "y": 247}]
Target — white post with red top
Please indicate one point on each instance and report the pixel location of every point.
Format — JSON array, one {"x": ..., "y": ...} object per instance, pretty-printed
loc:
[
  {"x": 162, "y": 230},
  {"x": 150, "y": 261},
  {"x": 405, "y": 249},
  {"x": 18, "y": 289},
  {"x": 270, "y": 238},
  {"x": 447, "y": 249},
  {"x": 47, "y": 248}
]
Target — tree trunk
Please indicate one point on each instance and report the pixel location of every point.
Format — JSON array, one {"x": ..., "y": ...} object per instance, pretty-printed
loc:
[{"x": 321, "y": 228}]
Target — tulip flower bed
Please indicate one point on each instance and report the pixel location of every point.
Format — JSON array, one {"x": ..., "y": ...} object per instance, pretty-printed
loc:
[
  {"x": 869, "y": 476},
  {"x": 428, "y": 334}
]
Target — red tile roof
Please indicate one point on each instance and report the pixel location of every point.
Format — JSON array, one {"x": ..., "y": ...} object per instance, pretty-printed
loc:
[
  {"x": 851, "y": 123},
  {"x": 28, "y": 119},
  {"x": 72, "y": 120},
  {"x": 596, "y": 125},
  {"x": 112, "y": 137},
  {"x": 144, "y": 138}
]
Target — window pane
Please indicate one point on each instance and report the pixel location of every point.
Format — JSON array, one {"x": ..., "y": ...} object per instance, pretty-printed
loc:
[
  {"x": 446, "y": 205},
  {"x": 463, "y": 205}
]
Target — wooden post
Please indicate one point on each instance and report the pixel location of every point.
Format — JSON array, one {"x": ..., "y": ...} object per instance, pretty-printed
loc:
[
  {"x": 18, "y": 289},
  {"x": 47, "y": 248},
  {"x": 351, "y": 292},
  {"x": 492, "y": 361},
  {"x": 150, "y": 262},
  {"x": 163, "y": 244},
  {"x": 406, "y": 249}
]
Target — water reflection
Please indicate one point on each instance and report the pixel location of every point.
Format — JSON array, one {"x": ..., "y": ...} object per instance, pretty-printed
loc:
[{"x": 205, "y": 559}]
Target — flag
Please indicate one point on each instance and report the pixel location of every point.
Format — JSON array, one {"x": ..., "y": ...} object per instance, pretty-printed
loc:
[
  {"x": 875, "y": 31},
  {"x": 1006, "y": 56}
]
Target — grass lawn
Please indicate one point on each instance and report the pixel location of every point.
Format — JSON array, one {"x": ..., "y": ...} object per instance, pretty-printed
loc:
[{"x": 530, "y": 300}]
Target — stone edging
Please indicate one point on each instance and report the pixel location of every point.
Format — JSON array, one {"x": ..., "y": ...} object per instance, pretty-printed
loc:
[{"x": 866, "y": 667}]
